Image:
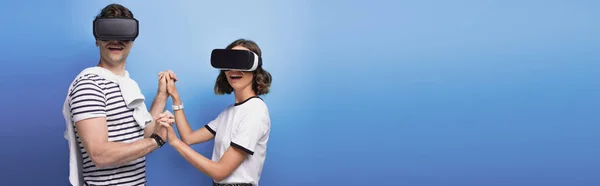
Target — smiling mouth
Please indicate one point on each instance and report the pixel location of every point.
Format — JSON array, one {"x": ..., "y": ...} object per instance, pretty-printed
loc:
[
  {"x": 235, "y": 76},
  {"x": 115, "y": 48}
]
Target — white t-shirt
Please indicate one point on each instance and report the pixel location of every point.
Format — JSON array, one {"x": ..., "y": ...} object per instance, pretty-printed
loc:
[{"x": 246, "y": 126}]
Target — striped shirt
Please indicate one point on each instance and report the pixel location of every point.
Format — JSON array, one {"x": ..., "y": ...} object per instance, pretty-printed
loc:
[{"x": 93, "y": 96}]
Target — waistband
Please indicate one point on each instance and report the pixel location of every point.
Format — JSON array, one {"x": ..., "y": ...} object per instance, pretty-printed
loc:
[{"x": 232, "y": 184}]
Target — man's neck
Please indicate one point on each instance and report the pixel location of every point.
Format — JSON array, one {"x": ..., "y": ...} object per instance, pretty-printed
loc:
[
  {"x": 118, "y": 69},
  {"x": 243, "y": 95}
]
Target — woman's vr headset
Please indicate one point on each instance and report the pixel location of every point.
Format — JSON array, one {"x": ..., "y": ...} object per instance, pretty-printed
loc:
[
  {"x": 122, "y": 29},
  {"x": 241, "y": 60}
]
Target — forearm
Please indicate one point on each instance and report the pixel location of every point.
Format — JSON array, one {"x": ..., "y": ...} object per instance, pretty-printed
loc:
[
  {"x": 185, "y": 131},
  {"x": 205, "y": 165},
  {"x": 158, "y": 106},
  {"x": 118, "y": 153}
]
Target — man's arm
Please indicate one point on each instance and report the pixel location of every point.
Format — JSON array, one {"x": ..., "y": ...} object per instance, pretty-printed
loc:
[
  {"x": 158, "y": 105},
  {"x": 88, "y": 108},
  {"x": 188, "y": 136},
  {"x": 94, "y": 136}
]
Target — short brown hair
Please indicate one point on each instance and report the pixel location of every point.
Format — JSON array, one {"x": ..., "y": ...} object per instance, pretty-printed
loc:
[
  {"x": 261, "y": 81},
  {"x": 115, "y": 10}
]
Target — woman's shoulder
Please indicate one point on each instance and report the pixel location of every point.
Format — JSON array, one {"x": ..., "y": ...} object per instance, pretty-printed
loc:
[
  {"x": 258, "y": 103},
  {"x": 252, "y": 103},
  {"x": 256, "y": 107}
]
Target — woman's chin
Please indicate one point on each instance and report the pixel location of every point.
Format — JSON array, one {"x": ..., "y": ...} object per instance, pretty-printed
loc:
[{"x": 237, "y": 87}]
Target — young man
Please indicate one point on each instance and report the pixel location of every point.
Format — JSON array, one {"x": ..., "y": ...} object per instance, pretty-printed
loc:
[{"x": 111, "y": 138}]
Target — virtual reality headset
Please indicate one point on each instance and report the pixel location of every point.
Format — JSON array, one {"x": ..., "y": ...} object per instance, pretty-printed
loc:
[
  {"x": 122, "y": 29},
  {"x": 240, "y": 60}
]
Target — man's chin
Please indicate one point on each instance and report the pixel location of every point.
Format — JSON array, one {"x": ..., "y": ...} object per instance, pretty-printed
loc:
[{"x": 116, "y": 59}]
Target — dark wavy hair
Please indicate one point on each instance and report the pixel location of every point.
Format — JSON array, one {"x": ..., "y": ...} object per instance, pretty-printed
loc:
[
  {"x": 261, "y": 82},
  {"x": 115, "y": 10}
]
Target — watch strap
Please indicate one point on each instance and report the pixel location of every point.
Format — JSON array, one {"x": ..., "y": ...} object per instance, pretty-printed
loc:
[{"x": 158, "y": 139}]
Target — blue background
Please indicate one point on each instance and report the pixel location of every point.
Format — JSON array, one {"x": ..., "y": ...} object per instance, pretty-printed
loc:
[{"x": 416, "y": 93}]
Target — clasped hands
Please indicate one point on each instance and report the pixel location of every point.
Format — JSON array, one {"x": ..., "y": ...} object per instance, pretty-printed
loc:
[{"x": 163, "y": 123}]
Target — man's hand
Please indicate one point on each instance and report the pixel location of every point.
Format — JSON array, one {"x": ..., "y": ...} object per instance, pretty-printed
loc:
[
  {"x": 169, "y": 74},
  {"x": 165, "y": 122},
  {"x": 162, "y": 84},
  {"x": 166, "y": 118},
  {"x": 171, "y": 78}
]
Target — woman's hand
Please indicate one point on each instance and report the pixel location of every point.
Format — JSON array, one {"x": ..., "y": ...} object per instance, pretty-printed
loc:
[
  {"x": 165, "y": 122},
  {"x": 170, "y": 79},
  {"x": 163, "y": 118},
  {"x": 163, "y": 78},
  {"x": 171, "y": 89},
  {"x": 171, "y": 136}
]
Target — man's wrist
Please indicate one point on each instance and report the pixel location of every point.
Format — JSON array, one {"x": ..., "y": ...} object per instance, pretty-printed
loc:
[
  {"x": 158, "y": 139},
  {"x": 153, "y": 141},
  {"x": 162, "y": 95}
]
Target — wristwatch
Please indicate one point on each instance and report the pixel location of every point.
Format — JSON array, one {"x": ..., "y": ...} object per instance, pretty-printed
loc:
[
  {"x": 177, "y": 107},
  {"x": 158, "y": 139}
]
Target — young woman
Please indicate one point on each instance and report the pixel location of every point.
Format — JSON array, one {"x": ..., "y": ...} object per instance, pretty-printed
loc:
[{"x": 241, "y": 131}]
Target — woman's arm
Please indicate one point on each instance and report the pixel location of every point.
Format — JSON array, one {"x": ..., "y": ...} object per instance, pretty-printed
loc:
[
  {"x": 231, "y": 159},
  {"x": 188, "y": 136}
]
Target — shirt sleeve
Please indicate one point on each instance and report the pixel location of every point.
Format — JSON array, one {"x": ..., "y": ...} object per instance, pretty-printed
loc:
[
  {"x": 212, "y": 127},
  {"x": 250, "y": 130},
  {"x": 87, "y": 100}
]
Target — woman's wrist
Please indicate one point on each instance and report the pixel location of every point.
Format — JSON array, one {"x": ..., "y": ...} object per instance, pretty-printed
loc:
[
  {"x": 174, "y": 141},
  {"x": 176, "y": 99}
]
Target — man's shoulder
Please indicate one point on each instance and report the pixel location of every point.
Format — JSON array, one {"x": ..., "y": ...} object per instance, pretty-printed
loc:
[
  {"x": 90, "y": 73},
  {"x": 86, "y": 78}
]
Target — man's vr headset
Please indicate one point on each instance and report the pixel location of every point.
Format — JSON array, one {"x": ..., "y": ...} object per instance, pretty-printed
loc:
[
  {"x": 241, "y": 60},
  {"x": 122, "y": 29}
]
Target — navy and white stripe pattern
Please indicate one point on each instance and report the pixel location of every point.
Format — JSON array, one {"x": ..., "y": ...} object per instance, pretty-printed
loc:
[{"x": 93, "y": 96}]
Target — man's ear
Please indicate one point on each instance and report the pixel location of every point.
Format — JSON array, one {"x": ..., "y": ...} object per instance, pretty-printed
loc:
[{"x": 97, "y": 44}]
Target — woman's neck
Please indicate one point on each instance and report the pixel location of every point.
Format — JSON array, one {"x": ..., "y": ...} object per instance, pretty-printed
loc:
[{"x": 243, "y": 94}]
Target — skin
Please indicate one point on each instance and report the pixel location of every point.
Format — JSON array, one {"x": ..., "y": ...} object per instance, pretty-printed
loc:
[
  {"x": 233, "y": 157},
  {"x": 94, "y": 131}
]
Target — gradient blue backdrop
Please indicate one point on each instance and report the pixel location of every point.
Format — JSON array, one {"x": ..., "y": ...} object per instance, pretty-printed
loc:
[{"x": 416, "y": 93}]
